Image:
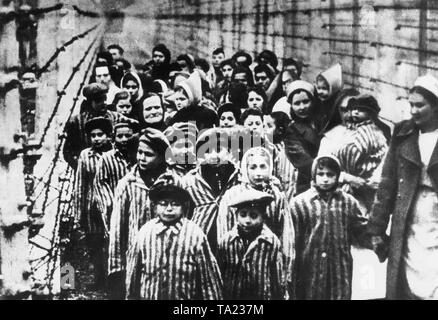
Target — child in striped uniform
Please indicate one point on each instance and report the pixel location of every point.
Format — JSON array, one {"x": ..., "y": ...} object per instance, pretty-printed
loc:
[
  {"x": 364, "y": 149},
  {"x": 216, "y": 173},
  {"x": 325, "y": 220},
  {"x": 256, "y": 173},
  {"x": 99, "y": 131},
  {"x": 171, "y": 258},
  {"x": 250, "y": 255},
  {"x": 112, "y": 167},
  {"x": 131, "y": 202}
]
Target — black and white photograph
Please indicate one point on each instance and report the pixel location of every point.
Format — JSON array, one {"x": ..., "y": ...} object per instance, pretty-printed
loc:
[{"x": 232, "y": 152}]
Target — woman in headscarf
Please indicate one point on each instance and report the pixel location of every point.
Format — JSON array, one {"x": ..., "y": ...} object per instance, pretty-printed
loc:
[
  {"x": 304, "y": 133},
  {"x": 131, "y": 82}
]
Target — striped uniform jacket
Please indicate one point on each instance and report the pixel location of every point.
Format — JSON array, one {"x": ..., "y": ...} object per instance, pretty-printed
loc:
[
  {"x": 278, "y": 219},
  {"x": 284, "y": 171},
  {"x": 363, "y": 150},
  {"x": 89, "y": 220},
  {"x": 323, "y": 231},
  {"x": 206, "y": 204},
  {"x": 111, "y": 168},
  {"x": 77, "y": 139},
  {"x": 173, "y": 262},
  {"x": 132, "y": 209},
  {"x": 252, "y": 271}
]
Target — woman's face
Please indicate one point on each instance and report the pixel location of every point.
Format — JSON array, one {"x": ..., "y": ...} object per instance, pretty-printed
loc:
[
  {"x": 181, "y": 101},
  {"x": 147, "y": 158},
  {"x": 124, "y": 107},
  {"x": 227, "y": 120},
  {"x": 132, "y": 87},
  {"x": 255, "y": 101},
  {"x": 152, "y": 110},
  {"x": 254, "y": 123},
  {"x": 258, "y": 170},
  {"x": 301, "y": 105},
  {"x": 423, "y": 113}
]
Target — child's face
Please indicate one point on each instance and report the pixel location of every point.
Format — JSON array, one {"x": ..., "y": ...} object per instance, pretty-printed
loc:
[
  {"x": 359, "y": 114},
  {"x": 181, "y": 101},
  {"x": 98, "y": 138},
  {"x": 253, "y": 123},
  {"x": 217, "y": 59},
  {"x": 124, "y": 107},
  {"x": 326, "y": 179},
  {"x": 258, "y": 170},
  {"x": 227, "y": 120},
  {"x": 269, "y": 126},
  {"x": 254, "y": 101},
  {"x": 169, "y": 210},
  {"x": 250, "y": 219},
  {"x": 147, "y": 158},
  {"x": 122, "y": 137},
  {"x": 323, "y": 89}
]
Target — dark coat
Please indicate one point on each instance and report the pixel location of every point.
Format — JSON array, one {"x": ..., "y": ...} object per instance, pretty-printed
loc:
[
  {"x": 396, "y": 194},
  {"x": 301, "y": 146}
]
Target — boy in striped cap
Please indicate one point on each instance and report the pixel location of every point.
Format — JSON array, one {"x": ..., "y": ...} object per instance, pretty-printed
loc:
[
  {"x": 172, "y": 259},
  {"x": 250, "y": 255}
]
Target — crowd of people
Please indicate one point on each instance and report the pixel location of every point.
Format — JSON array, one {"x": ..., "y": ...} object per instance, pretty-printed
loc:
[{"x": 236, "y": 178}]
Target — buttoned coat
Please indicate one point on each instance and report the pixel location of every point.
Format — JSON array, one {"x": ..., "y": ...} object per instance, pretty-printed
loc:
[{"x": 396, "y": 195}]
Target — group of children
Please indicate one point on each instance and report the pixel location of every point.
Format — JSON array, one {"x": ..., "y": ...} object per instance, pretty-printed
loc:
[{"x": 232, "y": 181}]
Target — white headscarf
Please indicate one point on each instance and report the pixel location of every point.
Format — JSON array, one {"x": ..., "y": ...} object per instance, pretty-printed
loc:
[{"x": 256, "y": 151}]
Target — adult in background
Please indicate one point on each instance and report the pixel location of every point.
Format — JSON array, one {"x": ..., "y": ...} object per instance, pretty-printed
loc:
[
  {"x": 408, "y": 192},
  {"x": 95, "y": 106},
  {"x": 303, "y": 134}
]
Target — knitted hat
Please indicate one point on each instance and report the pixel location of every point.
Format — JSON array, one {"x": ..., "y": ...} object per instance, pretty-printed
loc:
[
  {"x": 94, "y": 90},
  {"x": 251, "y": 197},
  {"x": 155, "y": 139},
  {"x": 99, "y": 123},
  {"x": 365, "y": 101},
  {"x": 299, "y": 85},
  {"x": 167, "y": 188},
  {"x": 128, "y": 123},
  {"x": 428, "y": 83},
  {"x": 181, "y": 130},
  {"x": 163, "y": 49},
  {"x": 333, "y": 76},
  {"x": 193, "y": 87}
]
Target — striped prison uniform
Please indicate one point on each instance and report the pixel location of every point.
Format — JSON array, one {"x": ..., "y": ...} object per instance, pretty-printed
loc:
[
  {"x": 278, "y": 219},
  {"x": 324, "y": 231},
  {"x": 111, "y": 168},
  {"x": 85, "y": 213},
  {"x": 77, "y": 139},
  {"x": 172, "y": 262},
  {"x": 206, "y": 204},
  {"x": 363, "y": 151},
  {"x": 284, "y": 171},
  {"x": 252, "y": 270},
  {"x": 361, "y": 155},
  {"x": 132, "y": 209}
]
